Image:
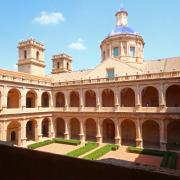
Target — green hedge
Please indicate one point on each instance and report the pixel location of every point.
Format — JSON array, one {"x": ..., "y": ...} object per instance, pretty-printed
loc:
[
  {"x": 78, "y": 152},
  {"x": 169, "y": 158},
  {"x": 69, "y": 142},
  {"x": 101, "y": 151},
  {"x": 40, "y": 144}
]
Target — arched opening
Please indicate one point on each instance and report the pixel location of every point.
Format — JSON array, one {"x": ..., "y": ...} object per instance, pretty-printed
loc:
[
  {"x": 60, "y": 127},
  {"x": 25, "y": 54},
  {"x": 45, "y": 127},
  {"x": 31, "y": 130},
  {"x": 127, "y": 98},
  {"x": 37, "y": 55},
  {"x": 108, "y": 131},
  {"x": 74, "y": 128},
  {"x": 13, "y": 132},
  {"x": 90, "y": 126},
  {"x": 60, "y": 100},
  {"x": 128, "y": 133},
  {"x": 150, "y": 97},
  {"x": 173, "y": 135},
  {"x": 74, "y": 99},
  {"x": 173, "y": 96},
  {"x": 45, "y": 100},
  {"x": 90, "y": 99},
  {"x": 13, "y": 99},
  {"x": 151, "y": 134},
  {"x": 108, "y": 98},
  {"x": 31, "y": 98}
]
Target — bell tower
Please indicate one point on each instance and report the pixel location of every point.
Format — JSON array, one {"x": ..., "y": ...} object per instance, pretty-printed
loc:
[
  {"x": 61, "y": 63},
  {"x": 31, "y": 57}
]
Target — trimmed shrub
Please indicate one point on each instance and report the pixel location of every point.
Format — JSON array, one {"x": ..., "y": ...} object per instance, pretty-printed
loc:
[
  {"x": 78, "y": 152},
  {"x": 100, "y": 152},
  {"x": 40, "y": 144},
  {"x": 69, "y": 142}
]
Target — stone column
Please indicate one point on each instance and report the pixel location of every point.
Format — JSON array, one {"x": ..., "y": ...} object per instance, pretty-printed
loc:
[
  {"x": 51, "y": 128},
  {"x": 39, "y": 129},
  {"x": 4, "y": 97},
  {"x": 39, "y": 94},
  {"x": 162, "y": 102},
  {"x": 82, "y": 135},
  {"x": 67, "y": 130},
  {"x": 139, "y": 142},
  {"x": 98, "y": 99},
  {"x": 117, "y": 94},
  {"x": 23, "y": 132},
  {"x": 81, "y": 94},
  {"x": 23, "y": 98},
  {"x": 66, "y": 96},
  {"x": 99, "y": 134},
  {"x": 163, "y": 137},
  {"x": 51, "y": 104},
  {"x": 138, "y": 97},
  {"x": 117, "y": 133}
]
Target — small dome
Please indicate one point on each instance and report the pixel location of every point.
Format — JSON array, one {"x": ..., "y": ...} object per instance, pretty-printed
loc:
[{"x": 118, "y": 30}]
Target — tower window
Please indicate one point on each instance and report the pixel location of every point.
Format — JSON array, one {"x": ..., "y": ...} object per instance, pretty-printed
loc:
[
  {"x": 37, "y": 55},
  {"x": 110, "y": 73},
  {"x": 58, "y": 65},
  {"x": 67, "y": 65},
  {"x": 132, "y": 51},
  {"x": 25, "y": 54},
  {"x": 104, "y": 55},
  {"x": 116, "y": 52}
]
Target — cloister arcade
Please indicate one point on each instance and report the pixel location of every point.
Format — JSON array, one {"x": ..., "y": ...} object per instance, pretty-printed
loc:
[
  {"x": 126, "y": 132},
  {"x": 149, "y": 96}
]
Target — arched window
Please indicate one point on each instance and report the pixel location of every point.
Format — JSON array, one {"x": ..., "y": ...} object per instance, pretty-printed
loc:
[
  {"x": 132, "y": 51},
  {"x": 58, "y": 65},
  {"x": 37, "y": 55},
  {"x": 25, "y": 54},
  {"x": 67, "y": 65},
  {"x": 116, "y": 52}
]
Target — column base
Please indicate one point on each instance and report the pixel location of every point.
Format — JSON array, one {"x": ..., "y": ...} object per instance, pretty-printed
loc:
[
  {"x": 138, "y": 107},
  {"x": 117, "y": 107},
  {"x": 66, "y": 136},
  {"x": 99, "y": 139},
  {"x": 82, "y": 138},
  {"x": 39, "y": 137},
  {"x": 163, "y": 146},
  {"x": 139, "y": 143},
  {"x": 23, "y": 141},
  {"x": 51, "y": 135},
  {"x": 118, "y": 141},
  {"x": 97, "y": 107}
]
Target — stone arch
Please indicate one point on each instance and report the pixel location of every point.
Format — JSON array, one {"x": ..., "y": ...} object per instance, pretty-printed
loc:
[
  {"x": 173, "y": 135},
  {"x": 90, "y": 129},
  {"x": 45, "y": 127},
  {"x": 90, "y": 98},
  {"x": 74, "y": 99},
  {"x": 13, "y": 98},
  {"x": 60, "y": 99},
  {"x": 151, "y": 134},
  {"x": 108, "y": 130},
  {"x": 128, "y": 133},
  {"x": 74, "y": 128},
  {"x": 31, "y": 99},
  {"x": 13, "y": 132},
  {"x": 173, "y": 96},
  {"x": 31, "y": 130},
  {"x": 60, "y": 127},
  {"x": 45, "y": 99},
  {"x": 127, "y": 97},
  {"x": 108, "y": 98},
  {"x": 150, "y": 97}
]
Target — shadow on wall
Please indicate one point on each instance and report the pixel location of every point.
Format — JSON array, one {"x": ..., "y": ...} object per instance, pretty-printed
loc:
[{"x": 24, "y": 164}]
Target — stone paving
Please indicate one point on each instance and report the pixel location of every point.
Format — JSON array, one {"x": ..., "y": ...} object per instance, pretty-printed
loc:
[{"x": 122, "y": 154}]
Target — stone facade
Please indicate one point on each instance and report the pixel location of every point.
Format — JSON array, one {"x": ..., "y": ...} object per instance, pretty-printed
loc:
[{"x": 124, "y": 100}]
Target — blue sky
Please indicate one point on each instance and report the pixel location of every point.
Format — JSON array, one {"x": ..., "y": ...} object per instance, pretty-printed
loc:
[{"x": 78, "y": 26}]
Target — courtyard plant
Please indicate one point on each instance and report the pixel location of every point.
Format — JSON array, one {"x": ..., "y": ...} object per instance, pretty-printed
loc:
[
  {"x": 88, "y": 147},
  {"x": 101, "y": 151},
  {"x": 169, "y": 158},
  {"x": 40, "y": 144},
  {"x": 68, "y": 142}
]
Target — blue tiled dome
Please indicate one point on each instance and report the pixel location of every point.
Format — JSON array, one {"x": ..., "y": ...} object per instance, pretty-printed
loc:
[{"x": 118, "y": 30}]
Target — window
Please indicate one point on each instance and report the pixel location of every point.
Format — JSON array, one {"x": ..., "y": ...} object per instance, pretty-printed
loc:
[
  {"x": 104, "y": 55},
  {"x": 37, "y": 55},
  {"x": 58, "y": 65},
  {"x": 132, "y": 51},
  {"x": 110, "y": 73},
  {"x": 67, "y": 65},
  {"x": 116, "y": 52},
  {"x": 25, "y": 54}
]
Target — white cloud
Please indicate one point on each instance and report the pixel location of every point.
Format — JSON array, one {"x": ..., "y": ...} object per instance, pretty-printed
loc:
[
  {"x": 49, "y": 18},
  {"x": 15, "y": 66},
  {"x": 78, "y": 45}
]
